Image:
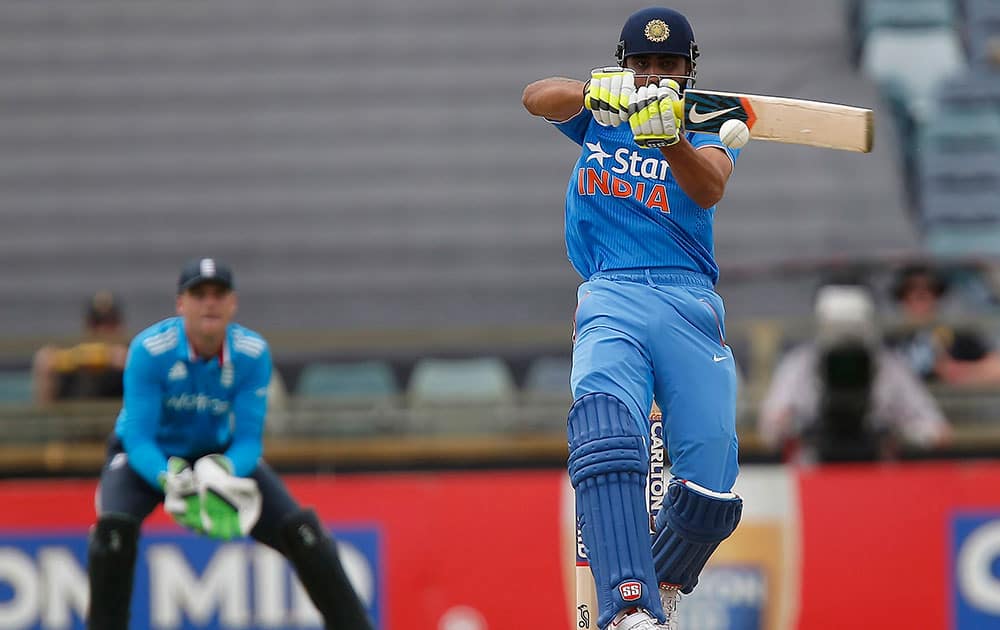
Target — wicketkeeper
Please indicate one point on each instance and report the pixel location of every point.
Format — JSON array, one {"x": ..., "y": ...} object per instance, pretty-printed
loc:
[{"x": 189, "y": 435}]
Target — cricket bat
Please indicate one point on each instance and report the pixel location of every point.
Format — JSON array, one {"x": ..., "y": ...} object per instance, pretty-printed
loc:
[
  {"x": 656, "y": 486},
  {"x": 779, "y": 119}
]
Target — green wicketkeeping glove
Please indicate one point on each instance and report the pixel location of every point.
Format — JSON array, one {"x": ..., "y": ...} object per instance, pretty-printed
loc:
[
  {"x": 230, "y": 505},
  {"x": 180, "y": 491},
  {"x": 221, "y": 520}
]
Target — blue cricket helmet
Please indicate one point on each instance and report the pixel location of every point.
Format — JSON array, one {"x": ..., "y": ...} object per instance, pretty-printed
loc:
[{"x": 657, "y": 31}]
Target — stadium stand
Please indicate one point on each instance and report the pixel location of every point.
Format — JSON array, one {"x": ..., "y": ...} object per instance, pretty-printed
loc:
[
  {"x": 16, "y": 387},
  {"x": 447, "y": 382},
  {"x": 548, "y": 379},
  {"x": 932, "y": 61},
  {"x": 981, "y": 26},
  {"x": 156, "y": 132},
  {"x": 162, "y": 131},
  {"x": 344, "y": 398},
  {"x": 476, "y": 395},
  {"x": 363, "y": 382}
]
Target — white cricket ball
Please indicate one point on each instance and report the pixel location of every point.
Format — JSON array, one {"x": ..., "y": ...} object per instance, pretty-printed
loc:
[{"x": 734, "y": 133}]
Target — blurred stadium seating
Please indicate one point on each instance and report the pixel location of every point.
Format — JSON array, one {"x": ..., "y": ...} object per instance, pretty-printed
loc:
[
  {"x": 445, "y": 382},
  {"x": 344, "y": 398},
  {"x": 15, "y": 387},
  {"x": 981, "y": 26},
  {"x": 181, "y": 129},
  {"x": 932, "y": 60},
  {"x": 369, "y": 235},
  {"x": 478, "y": 396},
  {"x": 462, "y": 395},
  {"x": 549, "y": 376},
  {"x": 356, "y": 383}
]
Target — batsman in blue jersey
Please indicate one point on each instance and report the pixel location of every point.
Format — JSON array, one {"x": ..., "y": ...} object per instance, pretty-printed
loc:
[
  {"x": 639, "y": 212},
  {"x": 189, "y": 436}
]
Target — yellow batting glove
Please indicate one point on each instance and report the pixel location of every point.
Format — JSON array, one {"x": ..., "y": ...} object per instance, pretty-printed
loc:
[
  {"x": 656, "y": 115},
  {"x": 608, "y": 94}
]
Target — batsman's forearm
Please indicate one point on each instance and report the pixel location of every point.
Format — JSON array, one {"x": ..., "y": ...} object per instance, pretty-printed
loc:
[
  {"x": 697, "y": 176},
  {"x": 555, "y": 98}
]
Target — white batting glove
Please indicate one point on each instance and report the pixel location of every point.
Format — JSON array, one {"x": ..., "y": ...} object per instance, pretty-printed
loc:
[
  {"x": 656, "y": 114},
  {"x": 608, "y": 93}
]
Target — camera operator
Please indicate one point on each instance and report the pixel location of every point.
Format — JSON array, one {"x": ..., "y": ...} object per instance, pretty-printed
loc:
[{"x": 843, "y": 396}]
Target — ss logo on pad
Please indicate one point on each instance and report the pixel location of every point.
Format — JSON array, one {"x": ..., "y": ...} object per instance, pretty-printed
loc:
[{"x": 631, "y": 590}]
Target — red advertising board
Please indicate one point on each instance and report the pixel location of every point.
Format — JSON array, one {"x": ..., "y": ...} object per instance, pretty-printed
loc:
[
  {"x": 481, "y": 547},
  {"x": 894, "y": 546},
  {"x": 877, "y": 542}
]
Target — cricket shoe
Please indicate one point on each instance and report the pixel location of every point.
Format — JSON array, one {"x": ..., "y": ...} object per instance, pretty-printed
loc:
[
  {"x": 634, "y": 619},
  {"x": 670, "y": 594}
]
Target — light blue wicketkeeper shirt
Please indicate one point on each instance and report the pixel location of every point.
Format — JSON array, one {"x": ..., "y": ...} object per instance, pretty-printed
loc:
[{"x": 177, "y": 403}]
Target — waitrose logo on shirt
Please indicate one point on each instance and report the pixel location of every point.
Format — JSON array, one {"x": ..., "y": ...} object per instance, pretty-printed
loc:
[{"x": 197, "y": 402}]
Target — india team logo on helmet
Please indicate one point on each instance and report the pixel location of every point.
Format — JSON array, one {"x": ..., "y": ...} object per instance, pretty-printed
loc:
[{"x": 658, "y": 31}]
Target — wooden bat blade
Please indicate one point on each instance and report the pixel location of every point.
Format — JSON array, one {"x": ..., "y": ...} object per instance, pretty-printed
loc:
[
  {"x": 586, "y": 598},
  {"x": 780, "y": 119}
]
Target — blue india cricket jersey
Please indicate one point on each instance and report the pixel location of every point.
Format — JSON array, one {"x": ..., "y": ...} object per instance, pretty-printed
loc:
[
  {"x": 177, "y": 403},
  {"x": 625, "y": 210}
]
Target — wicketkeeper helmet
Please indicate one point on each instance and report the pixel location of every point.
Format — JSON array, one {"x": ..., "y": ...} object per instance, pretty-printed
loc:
[{"x": 658, "y": 31}]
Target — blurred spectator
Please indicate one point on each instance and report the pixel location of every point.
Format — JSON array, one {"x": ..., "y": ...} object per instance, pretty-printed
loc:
[
  {"x": 843, "y": 395},
  {"x": 92, "y": 368},
  {"x": 935, "y": 350}
]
